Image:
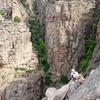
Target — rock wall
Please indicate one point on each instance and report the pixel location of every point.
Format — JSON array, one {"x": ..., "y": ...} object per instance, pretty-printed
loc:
[
  {"x": 18, "y": 62},
  {"x": 89, "y": 90},
  {"x": 20, "y": 86},
  {"x": 95, "y": 60},
  {"x": 5, "y": 4},
  {"x": 15, "y": 45},
  {"x": 16, "y": 52},
  {"x": 13, "y": 8},
  {"x": 65, "y": 26},
  {"x": 41, "y": 7}
]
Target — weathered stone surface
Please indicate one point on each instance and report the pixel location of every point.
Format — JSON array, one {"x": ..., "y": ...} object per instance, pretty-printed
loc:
[
  {"x": 50, "y": 93},
  {"x": 64, "y": 26},
  {"x": 1, "y": 18},
  {"x": 90, "y": 89},
  {"x": 25, "y": 88},
  {"x": 41, "y": 5},
  {"x": 95, "y": 60},
  {"x": 15, "y": 45},
  {"x": 16, "y": 51},
  {"x": 13, "y": 8},
  {"x": 57, "y": 94},
  {"x": 16, "y": 9},
  {"x": 5, "y": 4}
]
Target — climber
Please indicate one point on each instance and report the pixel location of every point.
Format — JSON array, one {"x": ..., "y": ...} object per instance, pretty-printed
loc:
[{"x": 74, "y": 75}]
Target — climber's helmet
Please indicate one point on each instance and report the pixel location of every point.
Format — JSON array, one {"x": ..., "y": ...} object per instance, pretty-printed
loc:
[{"x": 73, "y": 70}]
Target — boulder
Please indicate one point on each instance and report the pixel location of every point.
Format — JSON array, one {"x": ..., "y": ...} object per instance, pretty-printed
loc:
[{"x": 57, "y": 94}]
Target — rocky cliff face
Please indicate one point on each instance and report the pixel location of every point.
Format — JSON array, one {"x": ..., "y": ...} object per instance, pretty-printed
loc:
[
  {"x": 15, "y": 45},
  {"x": 18, "y": 62},
  {"x": 95, "y": 60},
  {"x": 65, "y": 26},
  {"x": 89, "y": 90}
]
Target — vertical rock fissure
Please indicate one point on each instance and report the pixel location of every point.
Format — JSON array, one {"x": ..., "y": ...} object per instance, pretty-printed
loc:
[{"x": 90, "y": 39}]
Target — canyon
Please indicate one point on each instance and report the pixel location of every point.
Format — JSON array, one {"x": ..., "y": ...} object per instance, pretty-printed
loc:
[{"x": 67, "y": 25}]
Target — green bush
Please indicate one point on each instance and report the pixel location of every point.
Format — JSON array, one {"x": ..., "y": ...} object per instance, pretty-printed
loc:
[
  {"x": 64, "y": 79},
  {"x": 46, "y": 67},
  {"x": 47, "y": 80},
  {"x": 29, "y": 71},
  {"x": 3, "y": 12},
  {"x": 38, "y": 41},
  {"x": 88, "y": 54},
  {"x": 24, "y": 69},
  {"x": 17, "y": 19},
  {"x": 17, "y": 69},
  {"x": 90, "y": 45},
  {"x": 84, "y": 65}
]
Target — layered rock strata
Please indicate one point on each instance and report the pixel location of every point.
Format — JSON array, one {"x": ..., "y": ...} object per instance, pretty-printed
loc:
[
  {"x": 18, "y": 62},
  {"x": 65, "y": 32},
  {"x": 15, "y": 45},
  {"x": 16, "y": 52}
]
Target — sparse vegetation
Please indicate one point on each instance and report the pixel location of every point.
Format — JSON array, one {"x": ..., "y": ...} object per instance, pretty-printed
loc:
[
  {"x": 24, "y": 69},
  {"x": 37, "y": 38},
  {"x": 38, "y": 42},
  {"x": 90, "y": 45},
  {"x": 3, "y": 12},
  {"x": 90, "y": 40},
  {"x": 17, "y": 19}
]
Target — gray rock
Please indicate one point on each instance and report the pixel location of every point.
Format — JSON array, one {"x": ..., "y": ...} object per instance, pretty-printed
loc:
[
  {"x": 1, "y": 18},
  {"x": 90, "y": 89},
  {"x": 64, "y": 27},
  {"x": 44, "y": 98},
  {"x": 59, "y": 94}
]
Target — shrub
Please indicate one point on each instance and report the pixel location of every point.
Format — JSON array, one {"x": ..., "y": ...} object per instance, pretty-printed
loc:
[
  {"x": 48, "y": 80},
  {"x": 84, "y": 65},
  {"x": 3, "y": 12},
  {"x": 29, "y": 71},
  {"x": 90, "y": 45},
  {"x": 38, "y": 41},
  {"x": 17, "y": 19},
  {"x": 46, "y": 67},
  {"x": 16, "y": 69},
  {"x": 88, "y": 54},
  {"x": 24, "y": 69},
  {"x": 64, "y": 79}
]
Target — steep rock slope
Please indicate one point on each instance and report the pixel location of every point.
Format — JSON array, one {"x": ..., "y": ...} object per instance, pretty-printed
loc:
[
  {"x": 15, "y": 45},
  {"x": 65, "y": 27},
  {"x": 95, "y": 60},
  {"x": 89, "y": 90},
  {"x": 18, "y": 62}
]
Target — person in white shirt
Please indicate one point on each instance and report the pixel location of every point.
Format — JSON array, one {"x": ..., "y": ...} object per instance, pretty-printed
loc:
[{"x": 74, "y": 75}]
